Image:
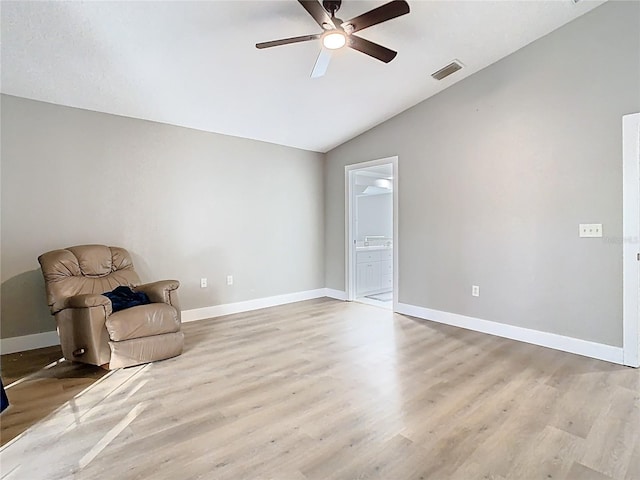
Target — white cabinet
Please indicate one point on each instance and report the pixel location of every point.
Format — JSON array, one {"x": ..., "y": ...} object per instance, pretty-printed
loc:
[
  {"x": 374, "y": 271},
  {"x": 386, "y": 275},
  {"x": 368, "y": 277}
]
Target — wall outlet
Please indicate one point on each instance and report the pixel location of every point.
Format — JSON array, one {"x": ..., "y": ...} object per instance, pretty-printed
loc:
[
  {"x": 475, "y": 290},
  {"x": 229, "y": 279},
  {"x": 590, "y": 230},
  {"x": 203, "y": 283}
]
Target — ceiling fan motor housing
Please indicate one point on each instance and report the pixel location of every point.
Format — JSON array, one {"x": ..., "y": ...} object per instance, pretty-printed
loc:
[{"x": 332, "y": 6}]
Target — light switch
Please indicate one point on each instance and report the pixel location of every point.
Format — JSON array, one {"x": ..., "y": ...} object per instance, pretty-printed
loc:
[{"x": 591, "y": 230}]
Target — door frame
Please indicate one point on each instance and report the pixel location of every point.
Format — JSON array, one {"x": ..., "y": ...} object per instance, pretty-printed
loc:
[
  {"x": 350, "y": 257},
  {"x": 631, "y": 239}
]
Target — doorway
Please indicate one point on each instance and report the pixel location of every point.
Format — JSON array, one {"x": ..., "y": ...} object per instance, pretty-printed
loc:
[{"x": 372, "y": 232}]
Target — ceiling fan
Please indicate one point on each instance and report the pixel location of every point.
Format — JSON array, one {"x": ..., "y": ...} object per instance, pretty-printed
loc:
[{"x": 338, "y": 33}]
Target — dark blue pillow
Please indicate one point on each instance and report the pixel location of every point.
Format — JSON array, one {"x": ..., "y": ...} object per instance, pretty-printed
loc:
[{"x": 124, "y": 297}]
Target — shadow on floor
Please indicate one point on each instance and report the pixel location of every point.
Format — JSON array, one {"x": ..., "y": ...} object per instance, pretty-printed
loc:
[{"x": 38, "y": 382}]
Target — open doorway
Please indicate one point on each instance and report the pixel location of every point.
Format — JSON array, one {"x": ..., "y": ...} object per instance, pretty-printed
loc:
[{"x": 372, "y": 232}]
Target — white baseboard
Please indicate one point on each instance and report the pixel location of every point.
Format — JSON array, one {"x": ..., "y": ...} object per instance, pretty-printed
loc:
[
  {"x": 335, "y": 294},
  {"x": 544, "y": 339},
  {"x": 248, "y": 305},
  {"x": 28, "y": 342},
  {"x": 47, "y": 339}
]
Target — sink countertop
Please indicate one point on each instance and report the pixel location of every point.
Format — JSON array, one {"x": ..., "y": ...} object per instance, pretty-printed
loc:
[{"x": 373, "y": 247}]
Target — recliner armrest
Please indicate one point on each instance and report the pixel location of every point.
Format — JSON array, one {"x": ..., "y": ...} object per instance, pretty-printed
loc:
[
  {"x": 89, "y": 300},
  {"x": 159, "y": 292}
]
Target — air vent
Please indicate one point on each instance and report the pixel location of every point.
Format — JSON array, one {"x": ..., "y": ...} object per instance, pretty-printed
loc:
[{"x": 448, "y": 70}]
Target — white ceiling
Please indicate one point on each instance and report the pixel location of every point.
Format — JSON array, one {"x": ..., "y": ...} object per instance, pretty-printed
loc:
[{"x": 195, "y": 64}]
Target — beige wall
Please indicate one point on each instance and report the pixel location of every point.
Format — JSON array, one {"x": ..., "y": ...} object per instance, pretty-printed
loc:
[
  {"x": 496, "y": 173},
  {"x": 187, "y": 204}
]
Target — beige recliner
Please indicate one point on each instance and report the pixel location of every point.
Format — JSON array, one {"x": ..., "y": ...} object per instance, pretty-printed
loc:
[{"x": 89, "y": 331}]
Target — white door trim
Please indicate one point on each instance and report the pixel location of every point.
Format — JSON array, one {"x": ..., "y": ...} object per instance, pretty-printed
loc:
[
  {"x": 631, "y": 238},
  {"x": 349, "y": 256}
]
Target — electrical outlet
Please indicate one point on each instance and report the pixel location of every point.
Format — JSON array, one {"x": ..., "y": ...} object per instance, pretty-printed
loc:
[
  {"x": 203, "y": 283},
  {"x": 475, "y": 290},
  {"x": 590, "y": 230},
  {"x": 229, "y": 279}
]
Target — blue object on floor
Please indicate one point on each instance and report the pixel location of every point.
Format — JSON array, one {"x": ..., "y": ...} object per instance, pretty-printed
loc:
[{"x": 4, "y": 401}]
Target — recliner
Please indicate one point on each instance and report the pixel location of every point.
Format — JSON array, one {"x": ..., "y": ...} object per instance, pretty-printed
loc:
[{"x": 89, "y": 330}]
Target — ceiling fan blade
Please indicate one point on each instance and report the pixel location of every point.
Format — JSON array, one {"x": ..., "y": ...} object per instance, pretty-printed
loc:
[
  {"x": 378, "y": 15},
  {"x": 322, "y": 62},
  {"x": 317, "y": 11},
  {"x": 372, "y": 49},
  {"x": 286, "y": 41}
]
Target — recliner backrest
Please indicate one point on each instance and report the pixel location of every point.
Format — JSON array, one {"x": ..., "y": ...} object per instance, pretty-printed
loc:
[{"x": 85, "y": 269}]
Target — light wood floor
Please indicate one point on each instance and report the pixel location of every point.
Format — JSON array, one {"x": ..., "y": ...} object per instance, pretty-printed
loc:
[{"x": 332, "y": 390}]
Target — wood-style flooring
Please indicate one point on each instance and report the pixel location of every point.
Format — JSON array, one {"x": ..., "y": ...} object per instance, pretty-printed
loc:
[
  {"x": 38, "y": 382},
  {"x": 331, "y": 390}
]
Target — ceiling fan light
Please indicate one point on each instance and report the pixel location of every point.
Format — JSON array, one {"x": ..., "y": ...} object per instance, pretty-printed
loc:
[{"x": 334, "y": 40}]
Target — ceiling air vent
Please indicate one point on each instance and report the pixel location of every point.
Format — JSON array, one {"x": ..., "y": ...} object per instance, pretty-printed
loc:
[{"x": 448, "y": 70}]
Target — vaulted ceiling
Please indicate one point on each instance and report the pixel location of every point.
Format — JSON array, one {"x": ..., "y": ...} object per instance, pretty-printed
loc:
[{"x": 195, "y": 64}]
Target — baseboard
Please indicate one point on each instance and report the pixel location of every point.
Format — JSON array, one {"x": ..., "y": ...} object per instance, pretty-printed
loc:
[
  {"x": 544, "y": 339},
  {"x": 335, "y": 294},
  {"x": 256, "y": 304},
  {"x": 47, "y": 339},
  {"x": 28, "y": 342}
]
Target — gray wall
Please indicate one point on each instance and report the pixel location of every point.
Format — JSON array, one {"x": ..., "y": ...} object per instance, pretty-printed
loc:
[
  {"x": 187, "y": 204},
  {"x": 496, "y": 173}
]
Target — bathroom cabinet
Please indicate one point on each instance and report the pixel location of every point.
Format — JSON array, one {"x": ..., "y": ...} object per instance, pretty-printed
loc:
[{"x": 374, "y": 271}]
